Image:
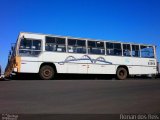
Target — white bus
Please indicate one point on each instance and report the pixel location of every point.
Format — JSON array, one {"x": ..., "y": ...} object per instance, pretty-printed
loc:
[{"x": 49, "y": 55}]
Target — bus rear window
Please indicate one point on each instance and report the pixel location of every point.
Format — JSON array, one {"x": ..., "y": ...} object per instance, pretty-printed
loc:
[{"x": 147, "y": 51}]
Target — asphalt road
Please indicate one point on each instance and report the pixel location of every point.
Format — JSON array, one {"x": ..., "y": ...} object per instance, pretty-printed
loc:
[{"x": 80, "y": 96}]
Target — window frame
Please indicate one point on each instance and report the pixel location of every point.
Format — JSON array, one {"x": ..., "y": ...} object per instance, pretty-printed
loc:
[
  {"x": 113, "y": 48},
  {"x": 145, "y": 51},
  {"x": 130, "y": 50},
  {"x": 55, "y": 44},
  {"x": 117, "y": 51},
  {"x": 31, "y": 50},
  {"x": 76, "y": 46},
  {"x": 95, "y": 41},
  {"x": 138, "y": 50}
]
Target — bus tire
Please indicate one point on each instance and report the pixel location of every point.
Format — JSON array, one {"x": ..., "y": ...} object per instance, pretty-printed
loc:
[
  {"x": 46, "y": 72},
  {"x": 121, "y": 73}
]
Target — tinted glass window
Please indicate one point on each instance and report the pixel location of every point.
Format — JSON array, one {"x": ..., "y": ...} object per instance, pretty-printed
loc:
[
  {"x": 96, "y": 47},
  {"x": 25, "y": 44},
  {"x": 109, "y": 45},
  {"x": 117, "y": 46},
  {"x": 36, "y": 45},
  {"x": 55, "y": 44},
  {"x": 126, "y": 50},
  {"x": 29, "y": 47},
  {"x": 76, "y": 46},
  {"x": 113, "y": 49},
  {"x": 100, "y": 44},
  {"x": 60, "y": 41},
  {"x": 72, "y": 42},
  {"x": 147, "y": 51},
  {"x": 135, "y": 51},
  {"x": 81, "y": 43},
  {"x": 50, "y": 40},
  {"x": 91, "y": 44}
]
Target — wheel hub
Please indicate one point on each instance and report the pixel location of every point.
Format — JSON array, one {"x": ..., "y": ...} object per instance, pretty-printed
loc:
[
  {"x": 47, "y": 73},
  {"x": 121, "y": 73}
]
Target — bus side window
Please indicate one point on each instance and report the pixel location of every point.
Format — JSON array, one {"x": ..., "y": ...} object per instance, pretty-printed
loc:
[
  {"x": 60, "y": 45},
  {"x": 109, "y": 48},
  {"x": 50, "y": 42},
  {"x": 135, "y": 51},
  {"x": 126, "y": 50},
  {"x": 25, "y": 44},
  {"x": 147, "y": 51},
  {"x": 117, "y": 49},
  {"x": 55, "y": 44},
  {"x": 81, "y": 46},
  {"x": 100, "y": 46},
  {"x": 76, "y": 46},
  {"x": 71, "y": 45},
  {"x": 29, "y": 47},
  {"x": 113, "y": 49},
  {"x": 36, "y": 45},
  {"x": 48, "y": 47},
  {"x": 96, "y": 47}
]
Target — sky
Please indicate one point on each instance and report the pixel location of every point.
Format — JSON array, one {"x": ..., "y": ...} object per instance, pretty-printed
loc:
[{"x": 119, "y": 20}]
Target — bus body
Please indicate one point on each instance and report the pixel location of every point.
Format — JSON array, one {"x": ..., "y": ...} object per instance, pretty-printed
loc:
[{"x": 51, "y": 54}]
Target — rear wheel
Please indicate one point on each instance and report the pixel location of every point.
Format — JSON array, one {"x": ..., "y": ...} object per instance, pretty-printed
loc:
[
  {"x": 121, "y": 73},
  {"x": 46, "y": 72}
]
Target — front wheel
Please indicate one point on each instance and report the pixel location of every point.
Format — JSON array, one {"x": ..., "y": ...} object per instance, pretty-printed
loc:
[
  {"x": 121, "y": 73},
  {"x": 46, "y": 72}
]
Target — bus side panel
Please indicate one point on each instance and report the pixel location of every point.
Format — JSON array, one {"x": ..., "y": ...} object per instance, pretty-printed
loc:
[
  {"x": 30, "y": 64},
  {"x": 102, "y": 67},
  {"x": 143, "y": 66},
  {"x": 134, "y": 70},
  {"x": 57, "y": 58},
  {"x": 64, "y": 64}
]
